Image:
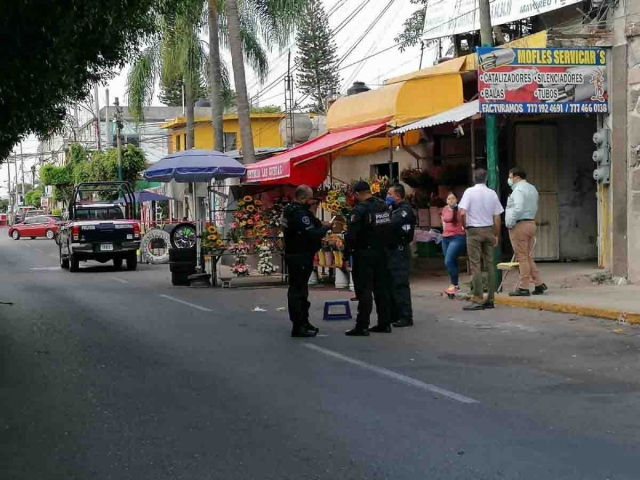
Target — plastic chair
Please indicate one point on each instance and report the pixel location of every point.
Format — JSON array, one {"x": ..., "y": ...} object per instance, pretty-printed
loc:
[{"x": 508, "y": 266}]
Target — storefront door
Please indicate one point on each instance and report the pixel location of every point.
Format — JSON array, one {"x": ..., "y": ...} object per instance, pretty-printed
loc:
[{"x": 536, "y": 150}]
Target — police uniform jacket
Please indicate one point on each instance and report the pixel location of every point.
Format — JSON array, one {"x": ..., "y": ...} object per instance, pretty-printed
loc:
[{"x": 303, "y": 232}]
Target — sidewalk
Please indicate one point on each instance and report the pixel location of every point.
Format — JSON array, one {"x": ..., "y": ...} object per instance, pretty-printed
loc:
[{"x": 571, "y": 290}]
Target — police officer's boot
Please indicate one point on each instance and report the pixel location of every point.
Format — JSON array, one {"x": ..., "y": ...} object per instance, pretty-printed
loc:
[
  {"x": 303, "y": 332},
  {"x": 358, "y": 331},
  {"x": 403, "y": 323}
]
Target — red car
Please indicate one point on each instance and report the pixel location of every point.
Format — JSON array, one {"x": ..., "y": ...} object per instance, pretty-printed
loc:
[{"x": 42, "y": 226}]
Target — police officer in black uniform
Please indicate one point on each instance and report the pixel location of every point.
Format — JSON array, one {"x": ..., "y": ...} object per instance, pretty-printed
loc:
[
  {"x": 368, "y": 240},
  {"x": 303, "y": 233},
  {"x": 403, "y": 221}
]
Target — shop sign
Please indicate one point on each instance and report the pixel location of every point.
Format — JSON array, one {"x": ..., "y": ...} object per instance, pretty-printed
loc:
[
  {"x": 542, "y": 80},
  {"x": 452, "y": 17},
  {"x": 274, "y": 171}
]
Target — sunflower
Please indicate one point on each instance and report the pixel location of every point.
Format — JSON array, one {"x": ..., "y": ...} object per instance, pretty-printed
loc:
[
  {"x": 251, "y": 208},
  {"x": 375, "y": 188},
  {"x": 212, "y": 229},
  {"x": 219, "y": 242},
  {"x": 212, "y": 237},
  {"x": 248, "y": 199}
]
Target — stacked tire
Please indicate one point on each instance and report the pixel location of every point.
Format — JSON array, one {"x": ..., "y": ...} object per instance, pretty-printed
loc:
[{"x": 182, "y": 264}]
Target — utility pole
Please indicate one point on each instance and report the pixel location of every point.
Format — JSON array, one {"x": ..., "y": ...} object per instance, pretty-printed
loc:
[
  {"x": 22, "y": 170},
  {"x": 107, "y": 126},
  {"x": 15, "y": 183},
  {"x": 486, "y": 38},
  {"x": 9, "y": 183},
  {"x": 97, "y": 117},
  {"x": 289, "y": 103},
  {"x": 118, "y": 119},
  {"x": 421, "y": 53}
]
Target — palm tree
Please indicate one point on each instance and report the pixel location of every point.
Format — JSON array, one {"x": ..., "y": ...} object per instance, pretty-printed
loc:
[
  {"x": 244, "y": 113},
  {"x": 178, "y": 53},
  {"x": 275, "y": 21},
  {"x": 215, "y": 76}
]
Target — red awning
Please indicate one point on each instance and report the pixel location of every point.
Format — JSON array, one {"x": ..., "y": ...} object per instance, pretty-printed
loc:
[{"x": 307, "y": 163}]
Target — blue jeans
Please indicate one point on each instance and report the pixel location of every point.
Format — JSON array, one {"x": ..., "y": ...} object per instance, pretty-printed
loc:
[{"x": 453, "y": 247}]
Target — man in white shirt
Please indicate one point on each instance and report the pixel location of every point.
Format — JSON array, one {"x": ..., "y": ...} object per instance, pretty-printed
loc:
[{"x": 480, "y": 211}]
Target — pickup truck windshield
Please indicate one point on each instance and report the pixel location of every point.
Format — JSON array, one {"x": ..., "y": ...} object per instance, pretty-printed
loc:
[{"x": 104, "y": 213}]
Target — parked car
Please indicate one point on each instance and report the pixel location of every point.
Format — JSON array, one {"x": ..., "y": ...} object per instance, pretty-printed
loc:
[
  {"x": 100, "y": 231},
  {"x": 34, "y": 227},
  {"x": 34, "y": 213},
  {"x": 19, "y": 216}
]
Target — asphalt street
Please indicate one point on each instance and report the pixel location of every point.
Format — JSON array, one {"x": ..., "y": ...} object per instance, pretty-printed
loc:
[{"x": 118, "y": 375}]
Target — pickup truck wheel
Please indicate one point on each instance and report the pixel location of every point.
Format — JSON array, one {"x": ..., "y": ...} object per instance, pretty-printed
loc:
[
  {"x": 74, "y": 263},
  {"x": 64, "y": 262},
  {"x": 117, "y": 262},
  {"x": 132, "y": 262}
]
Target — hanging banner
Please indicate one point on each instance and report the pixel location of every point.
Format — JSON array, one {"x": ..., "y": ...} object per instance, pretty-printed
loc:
[
  {"x": 271, "y": 169},
  {"x": 542, "y": 80},
  {"x": 452, "y": 17}
]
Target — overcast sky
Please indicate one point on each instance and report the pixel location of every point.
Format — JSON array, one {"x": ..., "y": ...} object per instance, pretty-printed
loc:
[{"x": 373, "y": 71}]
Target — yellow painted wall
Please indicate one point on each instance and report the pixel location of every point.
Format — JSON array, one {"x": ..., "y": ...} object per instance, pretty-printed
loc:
[{"x": 265, "y": 129}]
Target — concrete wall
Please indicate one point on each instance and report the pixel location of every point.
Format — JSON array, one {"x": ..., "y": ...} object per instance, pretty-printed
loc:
[
  {"x": 577, "y": 191},
  {"x": 347, "y": 168},
  {"x": 633, "y": 151}
]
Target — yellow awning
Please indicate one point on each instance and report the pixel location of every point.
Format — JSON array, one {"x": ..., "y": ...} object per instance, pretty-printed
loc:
[{"x": 397, "y": 104}]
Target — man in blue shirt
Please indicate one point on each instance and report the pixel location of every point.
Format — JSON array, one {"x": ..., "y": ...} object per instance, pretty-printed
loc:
[{"x": 520, "y": 219}]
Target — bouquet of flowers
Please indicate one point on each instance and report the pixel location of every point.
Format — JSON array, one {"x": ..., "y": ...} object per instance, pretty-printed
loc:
[
  {"x": 265, "y": 262},
  {"x": 378, "y": 185},
  {"x": 334, "y": 243},
  {"x": 337, "y": 201},
  {"x": 240, "y": 269},
  {"x": 248, "y": 218},
  {"x": 274, "y": 215},
  {"x": 240, "y": 250},
  {"x": 211, "y": 239}
]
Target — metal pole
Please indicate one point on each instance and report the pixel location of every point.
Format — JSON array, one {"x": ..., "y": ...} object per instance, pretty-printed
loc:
[
  {"x": 107, "y": 125},
  {"x": 421, "y": 54},
  {"x": 9, "y": 184},
  {"x": 118, "y": 128},
  {"x": 22, "y": 171},
  {"x": 97, "y": 116},
  {"x": 15, "y": 170},
  {"x": 491, "y": 124}
]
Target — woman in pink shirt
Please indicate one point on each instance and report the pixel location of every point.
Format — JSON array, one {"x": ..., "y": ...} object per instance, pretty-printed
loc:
[{"x": 454, "y": 241}]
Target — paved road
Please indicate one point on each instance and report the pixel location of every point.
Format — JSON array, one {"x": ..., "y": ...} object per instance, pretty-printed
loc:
[{"x": 118, "y": 375}]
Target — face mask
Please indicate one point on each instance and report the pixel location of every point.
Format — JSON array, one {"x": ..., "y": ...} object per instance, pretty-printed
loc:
[
  {"x": 510, "y": 182},
  {"x": 390, "y": 201}
]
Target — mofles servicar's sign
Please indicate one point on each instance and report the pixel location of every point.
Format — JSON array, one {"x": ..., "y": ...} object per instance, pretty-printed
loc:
[{"x": 542, "y": 80}]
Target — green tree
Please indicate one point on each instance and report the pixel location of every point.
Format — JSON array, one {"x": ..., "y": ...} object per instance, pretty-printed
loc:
[
  {"x": 412, "y": 26},
  {"x": 317, "y": 57},
  {"x": 267, "y": 109},
  {"x": 177, "y": 53},
  {"x": 171, "y": 94},
  {"x": 33, "y": 197},
  {"x": 4, "y": 205},
  {"x": 72, "y": 44}
]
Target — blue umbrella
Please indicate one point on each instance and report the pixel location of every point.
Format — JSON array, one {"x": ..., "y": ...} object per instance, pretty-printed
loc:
[{"x": 195, "y": 166}]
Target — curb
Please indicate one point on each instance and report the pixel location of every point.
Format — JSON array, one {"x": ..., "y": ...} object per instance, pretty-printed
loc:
[{"x": 582, "y": 310}]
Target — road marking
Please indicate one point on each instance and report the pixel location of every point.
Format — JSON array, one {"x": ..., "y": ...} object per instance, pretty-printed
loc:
[
  {"x": 394, "y": 375},
  {"x": 192, "y": 305},
  {"x": 121, "y": 280},
  {"x": 36, "y": 269}
]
